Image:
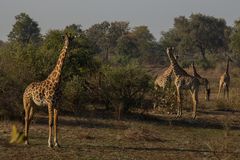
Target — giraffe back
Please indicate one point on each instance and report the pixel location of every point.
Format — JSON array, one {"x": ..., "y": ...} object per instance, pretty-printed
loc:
[{"x": 164, "y": 79}]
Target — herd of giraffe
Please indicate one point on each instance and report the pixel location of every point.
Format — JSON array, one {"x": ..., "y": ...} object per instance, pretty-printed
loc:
[
  {"x": 185, "y": 81},
  {"x": 46, "y": 92}
]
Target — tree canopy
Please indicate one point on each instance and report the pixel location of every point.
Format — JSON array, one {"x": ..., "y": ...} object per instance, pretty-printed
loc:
[
  {"x": 25, "y": 30},
  {"x": 197, "y": 34}
]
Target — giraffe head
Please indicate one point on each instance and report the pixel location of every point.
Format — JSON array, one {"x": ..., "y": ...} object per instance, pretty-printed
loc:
[
  {"x": 170, "y": 50},
  {"x": 194, "y": 69},
  {"x": 68, "y": 38},
  {"x": 171, "y": 57}
]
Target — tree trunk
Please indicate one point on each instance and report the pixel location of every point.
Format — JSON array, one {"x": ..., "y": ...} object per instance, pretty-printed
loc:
[{"x": 203, "y": 53}]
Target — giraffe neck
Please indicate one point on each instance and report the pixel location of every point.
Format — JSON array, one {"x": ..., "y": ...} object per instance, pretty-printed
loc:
[
  {"x": 195, "y": 74},
  {"x": 227, "y": 68},
  {"x": 178, "y": 71},
  {"x": 55, "y": 75}
]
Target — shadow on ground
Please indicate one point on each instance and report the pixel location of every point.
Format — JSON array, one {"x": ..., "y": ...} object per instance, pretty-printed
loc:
[{"x": 89, "y": 119}]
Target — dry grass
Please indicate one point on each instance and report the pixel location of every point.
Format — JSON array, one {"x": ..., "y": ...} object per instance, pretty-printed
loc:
[{"x": 91, "y": 138}]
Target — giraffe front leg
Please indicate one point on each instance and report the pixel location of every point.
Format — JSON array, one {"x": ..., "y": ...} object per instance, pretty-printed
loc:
[
  {"x": 26, "y": 126},
  {"x": 56, "y": 144},
  {"x": 227, "y": 89},
  {"x": 27, "y": 106},
  {"x": 219, "y": 90},
  {"x": 179, "y": 103},
  {"x": 50, "y": 124},
  {"x": 224, "y": 92}
]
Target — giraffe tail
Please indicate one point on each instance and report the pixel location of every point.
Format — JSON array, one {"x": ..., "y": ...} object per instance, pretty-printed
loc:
[
  {"x": 23, "y": 116},
  {"x": 23, "y": 119}
]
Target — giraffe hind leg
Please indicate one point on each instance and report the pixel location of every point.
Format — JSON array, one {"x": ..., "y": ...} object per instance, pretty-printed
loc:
[
  {"x": 224, "y": 92},
  {"x": 227, "y": 89},
  {"x": 195, "y": 103},
  {"x": 179, "y": 100},
  {"x": 219, "y": 89}
]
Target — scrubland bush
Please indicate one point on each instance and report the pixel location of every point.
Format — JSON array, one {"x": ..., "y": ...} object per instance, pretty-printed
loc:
[
  {"x": 125, "y": 85},
  {"x": 165, "y": 101}
]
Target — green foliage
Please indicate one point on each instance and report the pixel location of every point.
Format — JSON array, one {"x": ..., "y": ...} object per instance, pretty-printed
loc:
[
  {"x": 205, "y": 64},
  {"x": 148, "y": 48},
  {"x": 235, "y": 41},
  {"x": 127, "y": 46},
  {"x": 75, "y": 94},
  {"x": 17, "y": 68},
  {"x": 103, "y": 37},
  {"x": 125, "y": 85},
  {"x": 165, "y": 101},
  {"x": 198, "y": 34},
  {"x": 23, "y": 63},
  {"x": 25, "y": 30}
]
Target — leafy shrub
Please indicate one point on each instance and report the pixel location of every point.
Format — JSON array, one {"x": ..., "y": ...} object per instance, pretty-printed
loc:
[
  {"x": 165, "y": 101},
  {"x": 125, "y": 85}
]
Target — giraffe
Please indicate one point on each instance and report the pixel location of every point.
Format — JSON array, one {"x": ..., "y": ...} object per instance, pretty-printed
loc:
[
  {"x": 203, "y": 81},
  {"x": 224, "y": 81},
  {"x": 164, "y": 80},
  {"x": 184, "y": 81},
  {"x": 46, "y": 93}
]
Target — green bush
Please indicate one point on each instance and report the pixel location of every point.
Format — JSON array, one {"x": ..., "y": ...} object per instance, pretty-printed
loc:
[{"x": 125, "y": 86}]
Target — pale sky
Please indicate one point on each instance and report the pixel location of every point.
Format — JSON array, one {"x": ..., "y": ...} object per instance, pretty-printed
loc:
[{"x": 158, "y": 15}]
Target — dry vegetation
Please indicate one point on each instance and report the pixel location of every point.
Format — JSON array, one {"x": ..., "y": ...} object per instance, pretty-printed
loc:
[
  {"x": 215, "y": 134},
  {"x": 130, "y": 138}
]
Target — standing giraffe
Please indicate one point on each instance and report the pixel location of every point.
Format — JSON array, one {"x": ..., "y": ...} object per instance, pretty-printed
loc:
[
  {"x": 46, "y": 93},
  {"x": 184, "y": 81},
  {"x": 203, "y": 81},
  {"x": 224, "y": 82},
  {"x": 164, "y": 80}
]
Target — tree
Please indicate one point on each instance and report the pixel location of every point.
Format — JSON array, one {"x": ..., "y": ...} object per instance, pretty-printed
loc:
[
  {"x": 104, "y": 36},
  {"x": 235, "y": 38},
  {"x": 148, "y": 48},
  {"x": 169, "y": 38},
  {"x": 74, "y": 29},
  {"x": 127, "y": 46},
  {"x": 116, "y": 30},
  {"x": 25, "y": 30},
  {"x": 207, "y": 33},
  {"x": 128, "y": 91},
  {"x": 199, "y": 33}
]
